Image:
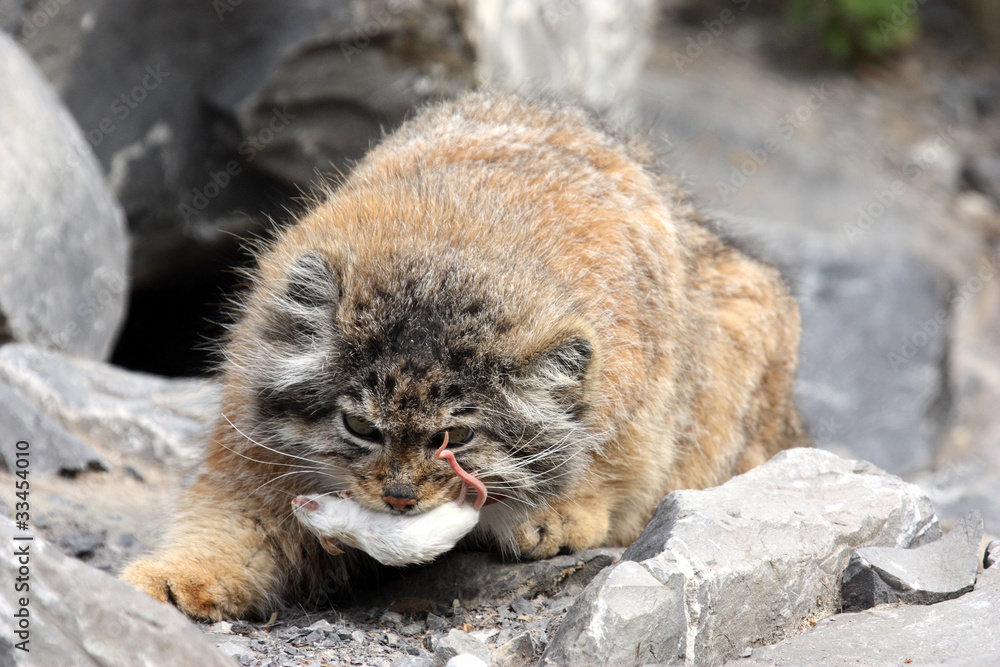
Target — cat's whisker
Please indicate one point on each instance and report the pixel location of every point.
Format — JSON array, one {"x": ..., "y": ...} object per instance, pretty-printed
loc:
[
  {"x": 270, "y": 463},
  {"x": 270, "y": 449}
]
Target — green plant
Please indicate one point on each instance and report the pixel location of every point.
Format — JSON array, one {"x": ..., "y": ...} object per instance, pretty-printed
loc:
[{"x": 851, "y": 30}]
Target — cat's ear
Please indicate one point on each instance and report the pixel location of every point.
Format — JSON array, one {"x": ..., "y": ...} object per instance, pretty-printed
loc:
[
  {"x": 311, "y": 282},
  {"x": 562, "y": 367}
]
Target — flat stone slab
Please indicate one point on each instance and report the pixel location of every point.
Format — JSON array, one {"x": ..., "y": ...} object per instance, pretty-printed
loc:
[
  {"x": 963, "y": 631},
  {"x": 135, "y": 413},
  {"x": 931, "y": 573}
]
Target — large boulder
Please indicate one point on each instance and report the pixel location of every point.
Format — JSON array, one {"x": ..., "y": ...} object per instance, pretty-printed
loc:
[
  {"x": 740, "y": 565},
  {"x": 72, "y": 614},
  {"x": 63, "y": 244}
]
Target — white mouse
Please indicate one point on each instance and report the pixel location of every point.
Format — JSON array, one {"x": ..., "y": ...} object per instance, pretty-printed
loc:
[{"x": 391, "y": 539}]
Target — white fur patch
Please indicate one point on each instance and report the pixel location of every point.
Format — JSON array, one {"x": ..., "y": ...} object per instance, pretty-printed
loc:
[{"x": 391, "y": 539}]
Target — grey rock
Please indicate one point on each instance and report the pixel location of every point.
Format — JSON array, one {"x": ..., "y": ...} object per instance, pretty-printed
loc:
[
  {"x": 931, "y": 573},
  {"x": 992, "y": 555},
  {"x": 518, "y": 651},
  {"x": 51, "y": 448},
  {"x": 133, "y": 78},
  {"x": 955, "y": 632},
  {"x": 63, "y": 244},
  {"x": 522, "y": 606},
  {"x": 160, "y": 418},
  {"x": 221, "y": 628},
  {"x": 481, "y": 576},
  {"x": 235, "y": 649},
  {"x": 456, "y": 643},
  {"x": 82, "y": 616},
  {"x": 321, "y": 90},
  {"x": 713, "y": 573},
  {"x": 588, "y": 51},
  {"x": 872, "y": 360},
  {"x": 191, "y": 108}
]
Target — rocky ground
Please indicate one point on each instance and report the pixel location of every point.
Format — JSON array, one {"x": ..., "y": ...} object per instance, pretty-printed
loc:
[{"x": 877, "y": 189}]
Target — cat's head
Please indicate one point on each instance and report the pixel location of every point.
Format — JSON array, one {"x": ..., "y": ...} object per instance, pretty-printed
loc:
[{"x": 359, "y": 372}]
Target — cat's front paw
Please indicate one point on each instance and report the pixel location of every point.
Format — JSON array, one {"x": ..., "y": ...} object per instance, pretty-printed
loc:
[
  {"x": 541, "y": 536},
  {"x": 198, "y": 591},
  {"x": 563, "y": 527}
]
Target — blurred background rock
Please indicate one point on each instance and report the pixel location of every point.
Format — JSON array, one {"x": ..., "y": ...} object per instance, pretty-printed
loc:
[{"x": 143, "y": 145}]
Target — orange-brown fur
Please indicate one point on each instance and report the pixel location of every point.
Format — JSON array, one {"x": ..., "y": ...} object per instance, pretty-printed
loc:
[{"x": 574, "y": 233}]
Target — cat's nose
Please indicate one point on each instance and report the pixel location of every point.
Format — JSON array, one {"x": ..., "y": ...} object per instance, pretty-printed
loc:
[{"x": 400, "y": 497}]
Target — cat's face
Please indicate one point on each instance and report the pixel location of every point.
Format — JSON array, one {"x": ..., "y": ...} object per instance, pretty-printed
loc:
[{"x": 363, "y": 375}]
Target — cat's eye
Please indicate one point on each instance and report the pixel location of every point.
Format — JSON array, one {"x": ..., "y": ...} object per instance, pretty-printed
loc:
[
  {"x": 460, "y": 435},
  {"x": 361, "y": 427}
]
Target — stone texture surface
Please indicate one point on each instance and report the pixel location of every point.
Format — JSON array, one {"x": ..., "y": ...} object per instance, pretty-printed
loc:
[
  {"x": 931, "y": 573},
  {"x": 872, "y": 381},
  {"x": 589, "y": 50},
  {"x": 51, "y": 448},
  {"x": 323, "y": 90},
  {"x": 63, "y": 244},
  {"x": 81, "y": 616},
  {"x": 143, "y": 414},
  {"x": 955, "y": 632},
  {"x": 720, "y": 570}
]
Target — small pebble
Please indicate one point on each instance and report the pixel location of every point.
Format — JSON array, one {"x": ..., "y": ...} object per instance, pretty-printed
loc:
[
  {"x": 392, "y": 617},
  {"x": 412, "y": 629},
  {"x": 435, "y": 622},
  {"x": 522, "y": 607},
  {"x": 221, "y": 628}
]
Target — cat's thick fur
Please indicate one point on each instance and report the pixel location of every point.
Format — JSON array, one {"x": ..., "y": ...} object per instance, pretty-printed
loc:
[{"x": 500, "y": 265}]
